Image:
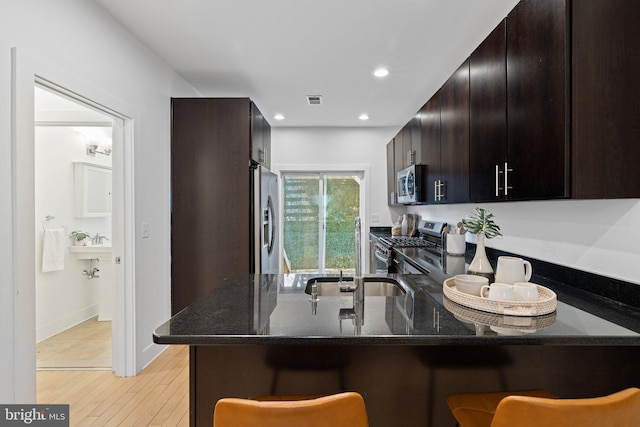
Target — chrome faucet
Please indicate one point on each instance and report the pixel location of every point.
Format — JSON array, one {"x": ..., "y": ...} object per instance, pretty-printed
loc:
[
  {"x": 358, "y": 293},
  {"x": 98, "y": 239}
]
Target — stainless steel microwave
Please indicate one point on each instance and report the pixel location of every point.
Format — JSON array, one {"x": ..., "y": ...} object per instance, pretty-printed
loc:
[{"x": 411, "y": 184}]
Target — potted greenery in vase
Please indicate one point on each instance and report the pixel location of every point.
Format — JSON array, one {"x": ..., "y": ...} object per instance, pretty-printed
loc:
[
  {"x": 482, "y": 225},
  {"x": 78, "y": 237}
]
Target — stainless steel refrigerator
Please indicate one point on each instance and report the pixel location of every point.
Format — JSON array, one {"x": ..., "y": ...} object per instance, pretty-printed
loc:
[{"x": 265, "y": 230}]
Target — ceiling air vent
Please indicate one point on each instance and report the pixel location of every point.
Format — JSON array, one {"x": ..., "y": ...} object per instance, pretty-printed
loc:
[{"x": 314, "y": 99}]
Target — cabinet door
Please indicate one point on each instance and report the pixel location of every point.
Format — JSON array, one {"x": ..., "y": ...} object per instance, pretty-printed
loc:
[
  {"x": 391, "y": 174},
  {"x": 537, "y": 90},
  {"x": 430, "y": 137},
  {"x": 416, "y": 141},
  {"x": 398, "y": 155},
  {"x": 410, "y": 137},
  {"x": 488, "y": 117},
  {"x": 606, "y": 101},
  {"x": 266, "y": 143},
  {"x": 454, "y": 139},
  {"x": 407, "y": 149},
  {"x": 257, "y": 135}
]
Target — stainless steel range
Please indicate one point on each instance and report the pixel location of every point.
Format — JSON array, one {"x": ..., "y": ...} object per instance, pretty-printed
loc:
[{"x": 429, "y": 236}]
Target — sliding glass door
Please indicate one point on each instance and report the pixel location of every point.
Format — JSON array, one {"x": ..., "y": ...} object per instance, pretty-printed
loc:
[{"x": 319, "y": 213}]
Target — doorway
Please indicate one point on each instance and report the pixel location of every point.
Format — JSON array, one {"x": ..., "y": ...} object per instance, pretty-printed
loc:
[
  {"x": 74, "y": 295},
  {"x": 319, "y": 209}
]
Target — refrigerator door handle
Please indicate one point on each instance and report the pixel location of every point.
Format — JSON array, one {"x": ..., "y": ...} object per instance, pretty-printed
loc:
[{"x": 271, "y": 224}]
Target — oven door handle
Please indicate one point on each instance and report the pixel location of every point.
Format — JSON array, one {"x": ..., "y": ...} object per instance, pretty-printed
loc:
[{"x": 382, "y": 257}]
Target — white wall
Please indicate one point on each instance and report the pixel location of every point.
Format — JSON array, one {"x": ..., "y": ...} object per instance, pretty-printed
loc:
[
  {"x": 598, "y": 236},
  {"x": 67, "y": 297},
  {"x": 78, "y": 46},
  {"x": 341, "y": 146}
]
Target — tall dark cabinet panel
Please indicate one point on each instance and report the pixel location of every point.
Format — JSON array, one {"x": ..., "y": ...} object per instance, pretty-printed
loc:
[
  {"x": 606, "y": 99},
  {"x": 454, "y": 137},
  {"x": 210, "y": 191},
  {"x": 538, "y": 100},
  {"x": 488, "y": 117}
]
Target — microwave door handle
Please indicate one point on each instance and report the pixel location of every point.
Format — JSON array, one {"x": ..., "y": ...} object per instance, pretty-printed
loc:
[{"x": 406, "y": 184}]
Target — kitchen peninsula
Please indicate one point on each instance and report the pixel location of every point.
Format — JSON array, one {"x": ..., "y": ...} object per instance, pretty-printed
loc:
[{"x": 405, "y": 351}]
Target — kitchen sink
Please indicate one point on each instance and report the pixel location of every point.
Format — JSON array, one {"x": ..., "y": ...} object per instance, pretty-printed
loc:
[{"x": 373, "y": 286}]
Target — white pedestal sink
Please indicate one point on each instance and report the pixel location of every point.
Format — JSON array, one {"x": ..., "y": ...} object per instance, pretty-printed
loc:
[{"x": 102, "y": 254}]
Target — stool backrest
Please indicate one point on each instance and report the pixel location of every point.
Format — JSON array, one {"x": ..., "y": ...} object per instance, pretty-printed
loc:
[
  {"x": 621, "y": 409},
  {"x": 343, "y": 409}
]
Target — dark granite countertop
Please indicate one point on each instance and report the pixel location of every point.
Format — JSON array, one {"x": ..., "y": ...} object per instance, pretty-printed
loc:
[{"x": 274, "y": 309}]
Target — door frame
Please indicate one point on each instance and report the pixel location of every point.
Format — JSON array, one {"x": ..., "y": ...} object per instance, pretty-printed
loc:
[
  {"x": 26, "y": 72},
  {"x": 363, "y": 169}
]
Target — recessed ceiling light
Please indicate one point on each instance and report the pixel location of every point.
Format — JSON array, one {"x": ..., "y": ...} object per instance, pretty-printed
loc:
[
  {"x": 364, "y": 117},
  {"x": 381, "y": 72},
  {"x": 278, "y": 117}
]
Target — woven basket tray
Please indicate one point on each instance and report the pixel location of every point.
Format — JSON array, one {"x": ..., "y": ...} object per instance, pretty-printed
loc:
[
  {"x": 547, "y": 302},
  {"x": 520, "y": 323}
]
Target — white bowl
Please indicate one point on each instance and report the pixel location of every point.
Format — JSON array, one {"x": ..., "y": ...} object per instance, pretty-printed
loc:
[{"x": 470, "y": 283}]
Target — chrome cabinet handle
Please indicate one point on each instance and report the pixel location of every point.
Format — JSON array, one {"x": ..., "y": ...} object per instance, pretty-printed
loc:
[
  {"x": 506, "y": 178},
  {"x": 411, "y": 158},
  {"x": 498, "y": 188}
]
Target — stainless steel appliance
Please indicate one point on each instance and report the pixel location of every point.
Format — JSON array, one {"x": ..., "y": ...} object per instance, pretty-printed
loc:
[
  {"x": 265, "y": 238},
  {"x": 377, "y": 264},
  {"x": 412, "y": 184},
  {"x": 430, "y": 237}
]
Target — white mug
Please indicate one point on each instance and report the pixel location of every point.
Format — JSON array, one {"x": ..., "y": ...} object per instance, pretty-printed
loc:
[
  {"x": 511, "y": 270},
  {"x": 498, "y": 291},
  {"x": 455, "y": 244},
  {"x": 525, "y": 291}
]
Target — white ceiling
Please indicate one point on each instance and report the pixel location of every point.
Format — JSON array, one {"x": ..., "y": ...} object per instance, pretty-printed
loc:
[{"x": 278, "y": 51}]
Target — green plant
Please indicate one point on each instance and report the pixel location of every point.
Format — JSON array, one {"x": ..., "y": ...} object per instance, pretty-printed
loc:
[
  {"x": 482, "y": 222},
  {"x": 79, "y": 235}
]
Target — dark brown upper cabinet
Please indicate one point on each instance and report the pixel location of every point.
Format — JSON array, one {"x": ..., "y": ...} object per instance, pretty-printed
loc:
[
  {"x": 548, "y": 108},
  {"x": 411, "y": 144},
  {"x": 260, "y": 138},
  {"x": 537, "y": 165},
  {"x": 606, "y": 99},
  {"x": 452, "y": 185},
  {"x": 391, "y": 174},
  {"x": 488, "y": 117}
]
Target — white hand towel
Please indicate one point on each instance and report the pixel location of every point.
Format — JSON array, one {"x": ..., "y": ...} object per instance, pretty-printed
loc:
[{"x": 53, "y": 249}]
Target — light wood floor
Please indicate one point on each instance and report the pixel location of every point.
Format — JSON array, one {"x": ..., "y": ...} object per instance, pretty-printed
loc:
[
  {"x": 87, "y": 345},
  {"x": 157, "y": 396}
]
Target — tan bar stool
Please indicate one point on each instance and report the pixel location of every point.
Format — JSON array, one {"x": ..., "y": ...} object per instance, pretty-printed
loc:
[
  {"x": 343, "y": 409},
  {"x": 534, "y": 408}
]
